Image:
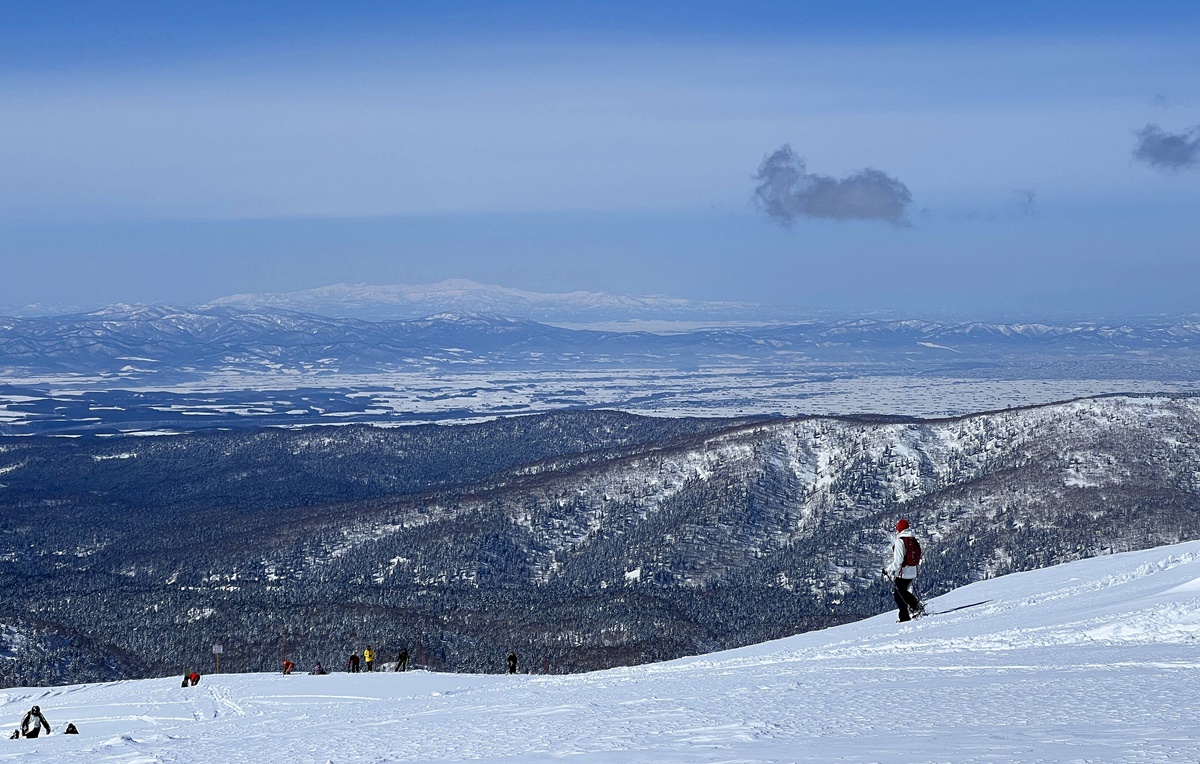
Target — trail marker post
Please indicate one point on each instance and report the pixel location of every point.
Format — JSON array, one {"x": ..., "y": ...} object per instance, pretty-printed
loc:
[{"x": 218, "y": 649}]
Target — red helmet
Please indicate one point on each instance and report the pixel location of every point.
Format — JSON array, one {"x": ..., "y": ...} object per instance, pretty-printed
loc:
[{"x": 901, "y": 526}]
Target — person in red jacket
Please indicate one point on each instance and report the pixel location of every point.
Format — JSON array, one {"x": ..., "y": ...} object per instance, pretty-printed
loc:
[
  {"x": 902, "y": 568},
  {"x": 352, "y": 664},
  {"x": 193, "y": 679},
  {"x": 287, "y": 667}
]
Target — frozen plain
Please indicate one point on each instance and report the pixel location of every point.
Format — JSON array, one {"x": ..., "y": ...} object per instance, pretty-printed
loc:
[
  {"x": 1092, "y": 661},
  {"x": 72, "y": 404}
]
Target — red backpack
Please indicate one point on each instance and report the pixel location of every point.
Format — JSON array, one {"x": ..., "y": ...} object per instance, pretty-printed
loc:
[{"x": 912, "y": 552}]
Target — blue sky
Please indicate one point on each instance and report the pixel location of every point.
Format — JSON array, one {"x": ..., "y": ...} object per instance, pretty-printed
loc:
[{"x": 176, "y": 152}]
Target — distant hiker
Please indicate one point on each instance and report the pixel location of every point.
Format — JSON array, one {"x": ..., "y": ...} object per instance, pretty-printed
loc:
[
  {"x": 31, "y": 725},
  {"x": 287, "y": 667},
  {"x": 369, "y": 658},
  {"x": 193, "y": 679},
  {"x": 402, "y": 660},
  {"x": 318, "y": 669},
  {"x": 184, "y": 682},
  {"x": 71, "y": 729},
  {"x": 512, "y": 663},
  {"x": 902, "y": 568},
  {"x": 352, "y": 664}
]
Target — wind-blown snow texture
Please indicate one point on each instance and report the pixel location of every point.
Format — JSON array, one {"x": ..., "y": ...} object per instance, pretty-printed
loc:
[{"x": 1094, "y": 660}]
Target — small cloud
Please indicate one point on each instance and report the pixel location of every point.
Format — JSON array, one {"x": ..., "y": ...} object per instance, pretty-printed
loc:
[
  {"x": 787, "y": 191},
  {"x": 1026, "y": 202},
  {"x": 1168, "y": 151},
  {"x": 1161, "y": 101}
]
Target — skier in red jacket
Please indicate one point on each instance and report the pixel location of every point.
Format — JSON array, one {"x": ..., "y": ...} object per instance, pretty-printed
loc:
[{"x": 902, "y": 568}]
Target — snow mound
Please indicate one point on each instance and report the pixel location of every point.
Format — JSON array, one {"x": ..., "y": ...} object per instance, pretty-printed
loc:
[{"x": 1095, "y": 660}]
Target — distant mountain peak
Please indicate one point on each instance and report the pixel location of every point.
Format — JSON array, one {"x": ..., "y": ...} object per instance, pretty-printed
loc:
[{"x": 464, "y": 296}]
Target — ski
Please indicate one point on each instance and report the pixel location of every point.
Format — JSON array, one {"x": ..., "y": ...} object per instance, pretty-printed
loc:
[{"x": 955, "y": 609}]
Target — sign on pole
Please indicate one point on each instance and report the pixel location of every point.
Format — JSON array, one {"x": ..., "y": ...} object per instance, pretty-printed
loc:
[{"x": 218, "y": 649}]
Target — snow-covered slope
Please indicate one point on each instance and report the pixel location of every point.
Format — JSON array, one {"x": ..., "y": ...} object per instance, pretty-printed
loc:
[{"x": 1094, "y": 660}]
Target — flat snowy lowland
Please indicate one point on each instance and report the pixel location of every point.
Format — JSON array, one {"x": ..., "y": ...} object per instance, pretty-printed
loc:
[{"x": 1094, "y": 661}]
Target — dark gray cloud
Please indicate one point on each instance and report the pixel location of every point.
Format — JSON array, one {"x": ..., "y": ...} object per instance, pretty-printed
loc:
[
  {"x": 787, "y": 191},
  {"x": 1168, "y": 151}
]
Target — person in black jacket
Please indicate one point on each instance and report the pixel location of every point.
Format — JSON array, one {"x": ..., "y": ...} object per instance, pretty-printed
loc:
[
  {"x": 31, "y": 725},
  {"x": 512, "y": 663},
  {"x": 402, "y": 660}
]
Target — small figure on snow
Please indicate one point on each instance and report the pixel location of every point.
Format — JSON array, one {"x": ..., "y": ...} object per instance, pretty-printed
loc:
[
  {"x": 369, "y": 658},
  {"x": 287, "y": 667},
  {"x": 512, "y": 663},
  {"x": 402, "y": 660},
  {"x": 31, "y": 725},
  {"x": 71, "y": 729},
  {"x": 352, "y": 664},
  {"x": 902, "y": 568},
  {"x": 193, "y": 679},
  {"x": 318, "y": 670}
]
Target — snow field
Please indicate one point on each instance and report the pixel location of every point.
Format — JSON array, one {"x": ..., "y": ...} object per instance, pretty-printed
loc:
[
  {"x": 446, "y": 396},
  {"x": 1094, "y": 661}
]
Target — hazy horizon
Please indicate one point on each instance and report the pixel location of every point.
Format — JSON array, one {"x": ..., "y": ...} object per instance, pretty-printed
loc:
[
  {"x": 740, "y": 313},
  {"x": 928, "y": 159}
]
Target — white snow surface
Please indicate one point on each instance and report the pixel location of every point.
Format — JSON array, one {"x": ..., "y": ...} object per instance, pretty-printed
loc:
[{"x": 1092, "y": 661}]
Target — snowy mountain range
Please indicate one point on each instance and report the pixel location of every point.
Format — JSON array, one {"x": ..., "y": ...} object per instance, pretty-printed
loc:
[
  {"x": 167, "y": 340},
  {"x": 403, "y": 301},
  {"x": 589, "y": 539},
  {"x": 1088, "y": 661}
]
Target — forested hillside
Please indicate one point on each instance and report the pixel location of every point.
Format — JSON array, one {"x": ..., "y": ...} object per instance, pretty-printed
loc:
[{"x": 579, "y": 539}]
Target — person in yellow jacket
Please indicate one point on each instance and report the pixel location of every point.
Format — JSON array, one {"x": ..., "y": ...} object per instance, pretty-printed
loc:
[{"x": 369, "y": 658}]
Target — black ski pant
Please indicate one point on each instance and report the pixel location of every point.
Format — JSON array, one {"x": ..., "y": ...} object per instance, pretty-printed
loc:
[{"x": 905, "y": 599}]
